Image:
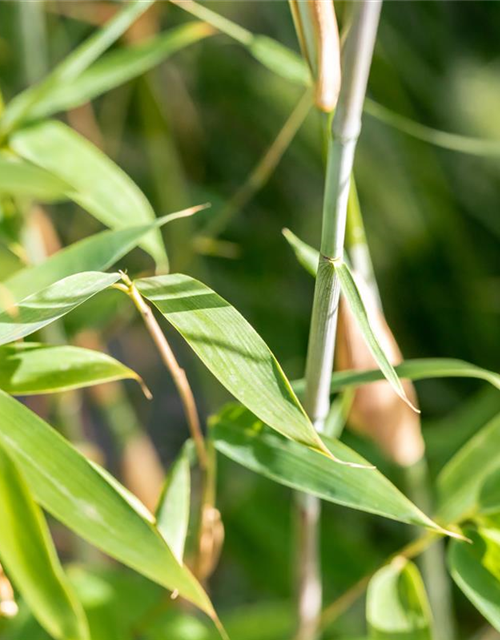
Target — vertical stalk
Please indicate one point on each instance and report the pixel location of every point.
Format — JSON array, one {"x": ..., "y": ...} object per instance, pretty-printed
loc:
[{"x": 346, "y": 126}]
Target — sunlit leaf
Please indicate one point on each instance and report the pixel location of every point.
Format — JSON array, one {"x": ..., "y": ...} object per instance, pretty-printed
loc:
[
  {"x": 172, "y": 514},
  {"x": 239, "y": 435},
  {"x": 120, "y": 66},
  {"x": 21, "y": 178},
  {"x": 233, "y": 351},
  {"x": 28, "y": 368},
  {"x": 476, "y": 570},
  {"x": 397, "y": 607},
  {"x": 90, "y": 502},
  {"x": 97, "y": 184},
  {"x": 52, "y": 303},
  {"x": 28, "y": 554}
]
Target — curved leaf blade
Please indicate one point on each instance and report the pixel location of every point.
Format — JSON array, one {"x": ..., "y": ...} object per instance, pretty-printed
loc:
[
  {"x": 52, "y": 303},
  {"x": 397, "y": 607},
  {"x": 29, "y": 368},
  {"x": 233, "y": 351},
  {"x": 89, "y": 501},
  {"x": 97, "y": 184},
  {"x": 23, "y": 179},
  {"x": 28, "y": 553},
  {"x": 240, "y": 436}
]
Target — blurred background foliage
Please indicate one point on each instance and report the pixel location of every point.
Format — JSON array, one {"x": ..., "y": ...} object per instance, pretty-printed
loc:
[{"x": 191, "y": 131}]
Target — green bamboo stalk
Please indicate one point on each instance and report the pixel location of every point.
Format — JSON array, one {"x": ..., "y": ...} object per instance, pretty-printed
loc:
[{"x": 346, "y": 126}]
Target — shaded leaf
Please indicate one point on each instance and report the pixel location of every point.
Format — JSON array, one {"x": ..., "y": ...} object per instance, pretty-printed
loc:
[
  {"x": 172, "y": 514},
  {"x": 239, "y": 435},
  {"x": 97, "y": 184},
  {"x": 85, "y": 498},
  {"x": 21, "y": 178},
  {"x": 52, "y": 303},
  {"x": 233, "y": 351},
  {"x": 28, "y": 553},
  {"x": 30, "y": 368},
  {"x": 120, "y": 66},
  {"x": 459, "y": 483},
  {"x": 476, "y": 570},
  {"x": 397, "y": 607}
]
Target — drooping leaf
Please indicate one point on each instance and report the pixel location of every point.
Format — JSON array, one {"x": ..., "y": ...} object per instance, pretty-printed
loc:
[
  {"x": 96, "y": 253},
  {"x": 397, "y": 607},
  {"x": 28, "y": 368},
  {"x": 28, "y": 554},
  {"x": 233, "y": 351},
  {"x": 172, "y": 514},
  {"x": 52, "y": 303},
  {"x": 97, "y": 184},
  {"x": 239, "y": 435},
  {"x": 23, "y": 105},
  {"x": 85, "y": 498},
  {"x": 120, "y": 66},
  {"x": 21, "y": 178},
  {"x": 476, "y": 570},
  {"x": 459, "y": 483}
]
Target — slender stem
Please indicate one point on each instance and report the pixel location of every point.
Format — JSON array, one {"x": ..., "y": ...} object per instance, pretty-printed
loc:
[
  {"x": 178, "y": 374},
  {"x": 346, "y": 126}
]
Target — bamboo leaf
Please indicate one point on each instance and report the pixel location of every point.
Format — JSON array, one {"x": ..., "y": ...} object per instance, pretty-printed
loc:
[
  {"x": 280, "y": 60},
  {"x": 29, "y": 368},
  {"x": 97, "y": 184},
  {"x": 22, "y": 179},
  {"x": 353, "y": 298},
  {"x": 28, "y": 553},
  {"x": 306, "y": 255},
  {"x": 52, "y": 303},
  {"x": 233, "y": 351},
  {"x": 397, "y": 607},
  {"x": 119, "y": 67},
  {"x": 476, "y": 570},
  {"x": 85, "y": 498},
  {"x": 240, "y": 436},
  {"x": 22, "y": 106},
  {"x": 96, "y": 253},
  {"x": 172, "y": 514},
  {"x": 459, "y": 483}
]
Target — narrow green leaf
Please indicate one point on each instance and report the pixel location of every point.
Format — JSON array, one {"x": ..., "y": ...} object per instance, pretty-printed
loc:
[
  {"x": 306, "y": 255},
  {"x": 240, "y": 436},
  {"x": 28, "y": 554},
  {"x": 85, "y": 498},
  {"x": 22, "y": 106},
  {"x": 397, "y": 607},
  {"x": 97, "y": 184},
  {"x": 23, "y": 179},
  {"x": 459, "y": 483},
  {"x": 233, "y": 351},
  {"x": 119, "y": 67},
  {"x": 172, "y": 514},
  {"x": 280, "y": 60},
  {"x": 351, "y": 294},
  {"x": 28, "y": 368},
  {"x": 476, "y": 570},
  {"x": 96, "y": 253},
  {"x": 52, "y": 303}
]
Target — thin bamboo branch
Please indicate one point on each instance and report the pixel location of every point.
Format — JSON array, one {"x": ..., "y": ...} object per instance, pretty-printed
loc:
[{"x": 346, "y": 127}]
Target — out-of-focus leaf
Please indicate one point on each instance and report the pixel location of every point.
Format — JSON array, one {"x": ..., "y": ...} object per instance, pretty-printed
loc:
[
  {"x": 27, "y": 552},
  {"x": 459, "y": 483},
  {"x": 22, "y": 106},
  {"x": 96, "y": 183},
  {"x": 85, "y": 498},
  {"x": 52, "y": 303},
  {"x": 397, "y": 607},
  {"x": 172, "y": 514},
  {"x": 233, "y": 351},
  {"x": 28, "y": 368},
  {"x": 21, "y": 178},
  {"x": 96, "y": 253},
  {"x": 280, "y": 60},
  {"x": 120, "y": 66},
  {"x": 239, "y": 435},
  {"x": 489, "y": 496},
  {"x": 476, "y": 570},
  {"x": 356, "y": 305}
]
